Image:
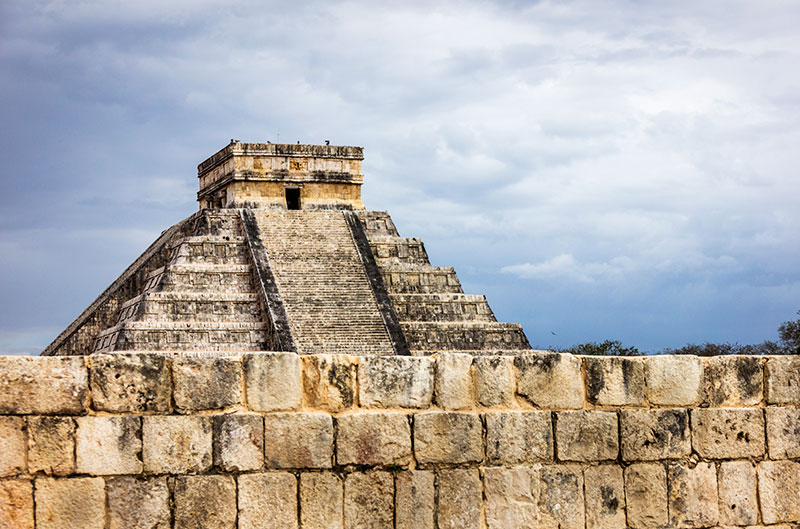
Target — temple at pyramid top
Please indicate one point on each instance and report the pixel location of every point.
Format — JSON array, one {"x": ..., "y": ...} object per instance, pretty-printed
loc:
[
  {"x": 286, "y": 176},
  {"x": 282, "y": 256}
]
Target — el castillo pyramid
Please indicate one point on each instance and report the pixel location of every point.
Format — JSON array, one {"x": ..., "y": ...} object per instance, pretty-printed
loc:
[{"x": 283, "y": 256}]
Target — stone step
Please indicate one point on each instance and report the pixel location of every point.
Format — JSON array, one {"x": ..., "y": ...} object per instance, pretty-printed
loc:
[
  {"x": 441, "y": 307},
  {"x": 464, "y": 336},
  {"x": 219, "y": 222},
  {"x": 419, "y": 279},
  {"x": 192, "y": 306},
  {"x": 210, "y": 249},
  {"x": 210, "y": 239},
  {"x": 213, "y": 336},
  {"x": 201, "y": 277},
  {"x": 398, "y": 249},
  {"x": 237, "y": 353},
  {"x": 319, "y": 264},
  {"x": 377, "y": 223}
]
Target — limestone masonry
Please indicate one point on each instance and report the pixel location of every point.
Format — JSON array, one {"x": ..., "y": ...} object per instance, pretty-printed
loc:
[
  {"x": 283, "y": 358},
  {"x": 452, "y": 440}
]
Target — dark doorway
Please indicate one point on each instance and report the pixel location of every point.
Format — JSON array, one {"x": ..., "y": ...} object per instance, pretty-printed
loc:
[{"x": 292, "y": 198}]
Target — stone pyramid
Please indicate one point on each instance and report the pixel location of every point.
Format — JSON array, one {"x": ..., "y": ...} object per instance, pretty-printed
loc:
[{"x": 283, "y": 256}]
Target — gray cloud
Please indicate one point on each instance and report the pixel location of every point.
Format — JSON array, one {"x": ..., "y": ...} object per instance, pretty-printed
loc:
[{"x": 604, "y": 170}]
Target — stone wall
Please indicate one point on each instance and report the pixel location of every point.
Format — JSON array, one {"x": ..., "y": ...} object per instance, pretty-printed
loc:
[
  {"x": 313, "y": 196},
  {"x": 449, "y": 441}
]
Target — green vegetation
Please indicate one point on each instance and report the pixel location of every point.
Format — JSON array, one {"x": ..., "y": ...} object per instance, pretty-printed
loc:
[
  {"x": 788, "y": 343},
  {"x": 609, "y": 347},
  {"x": 789, "y": 332}
]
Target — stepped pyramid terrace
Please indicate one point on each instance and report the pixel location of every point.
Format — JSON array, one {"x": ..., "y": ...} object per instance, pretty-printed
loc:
[
  {"x": 283, "y": 358},
  {"x": 283, "y": 256}
]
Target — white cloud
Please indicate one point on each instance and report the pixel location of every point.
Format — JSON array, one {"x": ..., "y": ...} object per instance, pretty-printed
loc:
[{"x": 565, "y": 267}]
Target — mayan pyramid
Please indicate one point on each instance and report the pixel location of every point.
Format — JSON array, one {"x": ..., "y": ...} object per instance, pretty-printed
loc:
[{"x": 283, "y": 256}]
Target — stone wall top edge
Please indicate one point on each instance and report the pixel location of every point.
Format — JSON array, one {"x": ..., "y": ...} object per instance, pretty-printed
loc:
[
  {"x": 453, "y": 381},
  {"x": 431, "y": 354},
  {"x": 280, "y": 149},
  {"x": 521, "y": 353}
]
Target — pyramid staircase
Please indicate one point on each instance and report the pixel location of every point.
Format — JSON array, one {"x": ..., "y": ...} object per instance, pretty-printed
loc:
[
  {"x": 202, "y": 299},
  {"x": 328, "y": 298}
]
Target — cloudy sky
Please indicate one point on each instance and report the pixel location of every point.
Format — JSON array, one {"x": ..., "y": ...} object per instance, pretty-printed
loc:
[{"x": 600, "y": 170}]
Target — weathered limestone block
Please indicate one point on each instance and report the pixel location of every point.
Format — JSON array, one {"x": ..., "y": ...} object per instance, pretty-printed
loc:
[
  {"x": 561, "y": 503},
  {"x": 693, "y": 500},
  {"x": 448, "y": 437},
  {"x": 779, "y": 491},
  {"x": 587, "y": 435},
  {"x": 453, "y": 381},
  {"x": 512, "y": 495},
  {"x": 267, "y": 500},
  {"x": 321, "y": 501},
  {"x": 738, "y": 501},
  {"x": 16, "y": 504},
  {"x": 728, "y": 433},
  {"x": 239, "y": 442},
  {"x": 129, "y": 382},
  {"x": 674, "y": 380},
  {"x": 298, "y": 440},
  {"x": 494, "y": 380},
  {"x": 205, "y": 502},
  {"x": 108, "y": 445},
  {"x": 51, "y": 445},
  {"x": 783, "y": 380},
  {"x": 70, "y": 503},
  {"x": 135, "y": 503},
  {"x": 777, "y": 526},
  {"x": 273, "y": 381},
  {"x": 646, "y": 495},
  {"x": 605, "y": 497},
  {"x": 614, "y": 381},
  {"x": 550, "y": 380},
  {"x": 176, "y": 444},
  {"x": 207, "y": 383},
  {"x": 43, "y": 385},
  {"x": 13, "y": 446},
  {"x": 733, "y": 380},
  {"x": 650, "y": 435},
  {"x": 329, "y": 381},
  {"x": 373, "y": 438},
  {"x": 368, "y": 500},
  {"x": 460, "y": 499},
  {"x": 414, "y": 499},
  {"x": 395, "y": 381},
  {"x": 513, "y": 438},
  {"x": 783, "y": 433}
]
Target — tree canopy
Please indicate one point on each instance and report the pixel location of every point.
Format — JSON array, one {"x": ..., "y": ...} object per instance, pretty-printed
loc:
[{"x": 788, "y": 343}]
